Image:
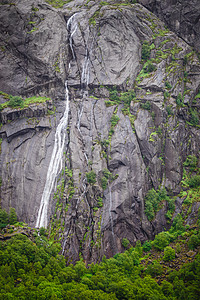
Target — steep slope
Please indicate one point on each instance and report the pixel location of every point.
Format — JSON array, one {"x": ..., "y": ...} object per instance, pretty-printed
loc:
[
  {"x": 133, "y": 90},
  {"x": 182, "y": 17}
]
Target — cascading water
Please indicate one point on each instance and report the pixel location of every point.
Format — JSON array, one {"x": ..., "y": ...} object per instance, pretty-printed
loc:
[{"x": 55, "y": 165}]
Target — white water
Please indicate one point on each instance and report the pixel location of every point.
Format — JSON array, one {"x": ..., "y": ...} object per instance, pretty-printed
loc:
[{"x": 55, "y": 165}]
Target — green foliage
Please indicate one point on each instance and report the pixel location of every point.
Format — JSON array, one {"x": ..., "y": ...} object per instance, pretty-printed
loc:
[
  {"x": 194, "y": 242},
  {"x": 149, "y": 67},
  {"x": 166, "y": 95},
  {"x": 114, "y": 120},
  {"x": 118, "y": 98},
  {"x": 146, "y": 105},
  {"x": 146, "y": 50},
  {"x": 58, "y": 3},
  {"x": 147, "y": 246},
  {"x": 107, "y": 177},
  {"x": 125, "y": 243},
  {"x": 194, "y": 181},
  {"x": 34, "y": 270},
  {"x": 177, "y": 227},
  {"x": 6, "y": 218},
  {"x": 3, "y": 218},
  {"x": 161, "y": 240},
  {"x": 168, "y": 85},
  {"x": 191, "y": 162},
  {"x": 104, "y": 182},
  {"x": 169, "y": 254},
  {"x": 18, "y": 102},
  {"x": 91, "y": 177},
  {"x": 154, "y": 269},
  {"x": 179, "y": 100},
  {"x": 15, "y": 101},
  {"x": 194, "y": 117},
  {"x": 12, "y": 216},
  {"x": 169, "y": 110},
  {"x": 152, "y": 201}
]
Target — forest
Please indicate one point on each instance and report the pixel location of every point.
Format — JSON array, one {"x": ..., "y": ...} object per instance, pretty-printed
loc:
[{"x": 31, "y": 267}]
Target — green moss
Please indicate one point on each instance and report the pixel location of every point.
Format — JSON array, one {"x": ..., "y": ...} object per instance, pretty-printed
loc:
[{"x": 58, "y": 3}]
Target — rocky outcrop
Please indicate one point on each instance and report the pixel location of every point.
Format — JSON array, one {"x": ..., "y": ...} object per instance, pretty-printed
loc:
[
  {"x": 33, "y": 49},
  {"x": 130, "y": 129},
  {"x": 182, "y": 17}
]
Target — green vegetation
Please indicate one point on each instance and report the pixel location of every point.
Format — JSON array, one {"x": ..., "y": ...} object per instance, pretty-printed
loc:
[
  {"x": 107, "y": 177},
  {"x": 146, "y": 105},
  {"x": 153, "y": 202},
  {"x": 19, "y": 102},
  {"x": 91, "y": 177},
  {"x": 169, "y": 253},
  {"x": 168, "y": 85},
  {"x": 179, "y": 100},
  {"x": 58, "y": 3},
  {"x": 33, "y": 269},
  {"x": 7, "y": 218},
  {"x": 146, "y": 50},
  {"x": 125, "y": 243},
  {"x": 194, "y": 117}
]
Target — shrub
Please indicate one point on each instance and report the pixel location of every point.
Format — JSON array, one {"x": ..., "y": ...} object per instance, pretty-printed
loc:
[
  {"x": 3, "y": 218},
  {"x": 194, "y": 181},
  {"x": 177, "y": 225},
  {"x": 169, "y": 254},
  {"x": 166, "y": 95},
  {"x": 146, "y": 105},
  {"x": 146, "y": 50},
  {"x": 114, "y": 95},
  {"x": 147, "y": 246},
  {"x": 125, "y": 243},
  {"x": 114, "y": 120},
  {"x": 152, "y": 200},
  {"x": 91, "y": 177},
  {"x": 194, "y": 117},
  {"x": 161, "y": 240},
  {"x": 193, "y": 242},
  {"x": 149, "y": 68},
  {"x": 12, "y": 216},
  {"x": 179, "y": 100},
  {"x": 169, "y": 110},
  {"x": 15, "y": 101},
  {"x": 168, "y": 85},
  {"x": 191, "y": 162},
  {"x": 154, "y": 269},
  {"x": 104, "y": 182}
]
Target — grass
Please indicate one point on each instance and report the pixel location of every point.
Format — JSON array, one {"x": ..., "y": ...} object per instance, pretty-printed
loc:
[
  {"x": 58, "y": 3},
  {"x": 26, "y": 102}
]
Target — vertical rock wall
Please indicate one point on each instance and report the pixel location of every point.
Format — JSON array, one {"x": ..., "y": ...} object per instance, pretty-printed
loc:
[{"x": 114, "y": 153}]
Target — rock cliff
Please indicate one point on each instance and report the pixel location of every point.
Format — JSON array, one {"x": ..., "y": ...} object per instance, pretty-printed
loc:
[{"x": 133, "y": 90}]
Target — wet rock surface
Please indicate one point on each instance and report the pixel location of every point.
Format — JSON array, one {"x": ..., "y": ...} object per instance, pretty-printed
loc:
[{"x": 112, "y": 155}]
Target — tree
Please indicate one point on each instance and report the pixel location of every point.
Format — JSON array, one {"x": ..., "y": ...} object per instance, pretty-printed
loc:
[
  {"x": 12, "y": 216},
  {"x": 3, "y": 218},
  {"x": 169, "y": 254},
  {"x": 161, "y": 240}
]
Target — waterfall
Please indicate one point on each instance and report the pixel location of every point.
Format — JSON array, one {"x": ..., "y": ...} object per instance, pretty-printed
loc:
[{"x": 55, "y": 165}]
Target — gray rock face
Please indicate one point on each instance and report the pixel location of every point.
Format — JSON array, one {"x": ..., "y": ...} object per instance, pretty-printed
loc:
[
  {"x": 33, "y": 48},
  {"x": 182, "y": 17},
  {"x": 114, "y": 153}
]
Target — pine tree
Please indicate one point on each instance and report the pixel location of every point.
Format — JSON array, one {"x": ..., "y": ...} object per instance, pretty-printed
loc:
[{"x": 12, "y": 216}]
